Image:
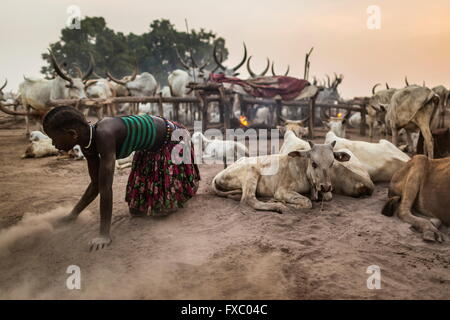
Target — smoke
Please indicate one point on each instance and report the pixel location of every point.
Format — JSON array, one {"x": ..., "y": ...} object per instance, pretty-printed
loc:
[{"x": 32, "y": 227}]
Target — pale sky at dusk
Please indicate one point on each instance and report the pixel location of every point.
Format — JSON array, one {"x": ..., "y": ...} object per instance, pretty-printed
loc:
[{"x": 414, "y": 38}]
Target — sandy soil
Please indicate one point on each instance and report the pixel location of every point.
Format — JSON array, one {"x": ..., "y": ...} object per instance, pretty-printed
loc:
[{"x": 208, "y": 250}]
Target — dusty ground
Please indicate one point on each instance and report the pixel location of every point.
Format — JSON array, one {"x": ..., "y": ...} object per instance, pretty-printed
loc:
[{"x": 207, "y": 250}]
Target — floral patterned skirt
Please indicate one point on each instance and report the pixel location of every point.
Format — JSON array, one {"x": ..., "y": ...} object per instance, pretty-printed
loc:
[{"x": 157, "y": 183}]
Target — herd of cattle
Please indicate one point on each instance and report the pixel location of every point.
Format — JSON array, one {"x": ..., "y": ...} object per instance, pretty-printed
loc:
[{"x": 414, "y": 113}]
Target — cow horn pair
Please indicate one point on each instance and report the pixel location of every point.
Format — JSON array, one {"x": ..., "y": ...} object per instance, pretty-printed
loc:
[
  {"x": 193, "y": 63},
  {"x": 64, "y": 76},
  {"x": 254, "y": 75},
  {"x": 273, "y": 70},
  {"x": 124, "y": 82},
  {"x": 219, "y": 63}
]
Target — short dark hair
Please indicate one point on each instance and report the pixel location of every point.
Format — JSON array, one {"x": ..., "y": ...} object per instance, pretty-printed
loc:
[{"x": 62, "y": 118}]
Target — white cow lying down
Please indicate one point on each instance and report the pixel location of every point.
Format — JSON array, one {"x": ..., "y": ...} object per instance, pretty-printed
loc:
[
  {"x": 348, "y": 178},
  {"x": 40, "y": 148},
  {"x": 282, "y": 177},
  {"x": 381, "y": 160},
  {"x": 216, "y": 149}
]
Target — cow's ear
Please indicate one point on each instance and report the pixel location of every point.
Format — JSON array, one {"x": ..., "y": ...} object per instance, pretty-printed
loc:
[
  {"x": 333, "y": 144},
  {"x": 341, "y": 156},
  {"x": 301, "y": 154}
]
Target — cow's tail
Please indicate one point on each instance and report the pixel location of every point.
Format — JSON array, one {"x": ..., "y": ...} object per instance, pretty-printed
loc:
[
  {"x": 391, "y": 206},
  {"x": 227, "y": 194}
]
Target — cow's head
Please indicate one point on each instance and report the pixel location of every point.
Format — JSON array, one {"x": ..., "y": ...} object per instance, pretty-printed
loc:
[
  {"x": 320, "y": 160},
  {"x": 75, "y": 86},
  {"x": 338, "y": 125},
  {"x": 296, "y": 126}
]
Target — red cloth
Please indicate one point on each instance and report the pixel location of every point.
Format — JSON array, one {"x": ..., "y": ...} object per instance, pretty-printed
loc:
[{"x": 266, "y": 87}]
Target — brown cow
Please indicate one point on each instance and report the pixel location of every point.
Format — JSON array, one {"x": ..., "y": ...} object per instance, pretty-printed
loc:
[{"x": 422, "y": 185}]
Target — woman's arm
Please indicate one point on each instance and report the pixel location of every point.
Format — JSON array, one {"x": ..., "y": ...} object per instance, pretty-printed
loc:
[
  {"x": 106, "y": 147},
  {"x": 92, "y": 190}
]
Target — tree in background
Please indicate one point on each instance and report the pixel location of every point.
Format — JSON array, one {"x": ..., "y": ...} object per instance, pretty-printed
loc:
[{"x": 154, "y": 51}]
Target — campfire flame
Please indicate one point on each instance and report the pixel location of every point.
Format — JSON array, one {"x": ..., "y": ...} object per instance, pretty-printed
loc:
[{"x": 243, "y": 120}]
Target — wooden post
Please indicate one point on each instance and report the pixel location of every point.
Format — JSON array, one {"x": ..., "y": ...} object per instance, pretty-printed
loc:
[
  {"x": 278, "y": 108},
  {"x": 176, "y": 106},
  {"x": 160, "y": 105},
  {"x": 203, "y": 106},
  {"x": 362, "y": 129},
  {"x": 312, "y": 109},
  {"x": 226, "y": 108}
]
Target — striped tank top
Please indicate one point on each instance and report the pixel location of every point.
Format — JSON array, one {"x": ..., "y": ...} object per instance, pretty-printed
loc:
[{"x": 141, "y": 133}]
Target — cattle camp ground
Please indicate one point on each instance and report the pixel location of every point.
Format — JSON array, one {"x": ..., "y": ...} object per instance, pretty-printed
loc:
[
  {"x": 339, "y": 177},
  {"x": 211, "y": 249}
]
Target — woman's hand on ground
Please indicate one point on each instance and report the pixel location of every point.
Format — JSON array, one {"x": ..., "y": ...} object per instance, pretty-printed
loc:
[
  {"x": 68, "y": 218},
  {"x": 99, "y": 243}
]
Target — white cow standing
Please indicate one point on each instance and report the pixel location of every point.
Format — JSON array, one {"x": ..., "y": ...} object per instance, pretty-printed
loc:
[
  {"x": 37, "y": 93},
  {"x": 413, "y": 108}
]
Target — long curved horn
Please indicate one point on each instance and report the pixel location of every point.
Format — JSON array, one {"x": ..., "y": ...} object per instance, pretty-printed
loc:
[
  {"x": 252, "y": 74},
  {"x": 217, "y": 66},
  {"x": 90, "y": 68},
  {"x": 387, "y": 86},
  {"x": 185, "y": 65},
  {"x": 243, "y": 60},
  {"x": 90, "y": 83},
  {"x": 3, "y": 86},
  {"x": 406, "y": 81},
  {"x": 328, "y": 81},
  {"x": 266, "y": 69},
  {"x": 273, "y": 69},
  {"x": 374, "y": 87},
  {"x": 135, "y": 71},
  {"x": 110, "y": 77},
  {"x": 287, "y": 71},
  {"x": 314, "y": 81},
  {"x": 58, "y": 70},
  {"x": 95, "y": 74},
  {"x": 219, "y": 63},
  {"x": 191, "y": 55}
]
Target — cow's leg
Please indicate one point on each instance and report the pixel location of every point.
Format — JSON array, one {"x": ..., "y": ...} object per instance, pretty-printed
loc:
[
  {"x": 27, "y": 121},
  {"x": 409, "y": 195},
  {"x": 293, "y": 199},
  {"x": 425, "y": 129},
  {"x": 250, "y": 184},
  {"x": 410, "y": 142},
  {"x": 371, "y": 130},
  {"x": 394, "y": 136}
]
